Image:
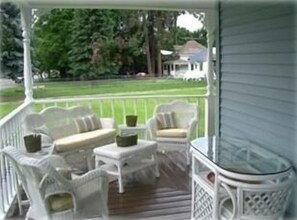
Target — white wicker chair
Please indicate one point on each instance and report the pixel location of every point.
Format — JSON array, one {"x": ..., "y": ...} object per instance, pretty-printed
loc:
[
  {"x": 255, "y": 201},
  {"x": 185, "y": 119},
  {"x": 41, "y": 180}
]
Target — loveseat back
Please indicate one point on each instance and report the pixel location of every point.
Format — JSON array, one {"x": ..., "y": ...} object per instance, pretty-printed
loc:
[
  {"x": 183, "y": 112},
  {"x": 57, "y": 121}
]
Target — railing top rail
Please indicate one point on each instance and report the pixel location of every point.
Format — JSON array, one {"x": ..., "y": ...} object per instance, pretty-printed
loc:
[
  {"x": 12, "y": 114},
  {"x": 75, "y": 99}
]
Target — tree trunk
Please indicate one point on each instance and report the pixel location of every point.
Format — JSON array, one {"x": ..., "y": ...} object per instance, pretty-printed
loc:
[
  {"x": 63, "y": 73},
  {"x": 159, "y": 36},
  {"x": 174, "y": 28},
  {"x": 147, "y": 45},
  {"x": 160, "y": 72}
]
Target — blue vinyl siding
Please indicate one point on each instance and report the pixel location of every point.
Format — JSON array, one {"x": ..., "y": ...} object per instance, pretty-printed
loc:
[{"x": 258, "y": 75}]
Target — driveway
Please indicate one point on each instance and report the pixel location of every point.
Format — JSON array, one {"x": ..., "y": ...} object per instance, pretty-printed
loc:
[{"x": 6, "y": 83}]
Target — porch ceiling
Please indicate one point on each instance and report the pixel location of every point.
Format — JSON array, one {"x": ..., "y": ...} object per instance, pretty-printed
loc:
[{"x": 195, "y": 5}]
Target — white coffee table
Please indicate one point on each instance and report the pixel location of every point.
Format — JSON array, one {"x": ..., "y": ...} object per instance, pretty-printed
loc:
[{"x": 120, "y": 161}]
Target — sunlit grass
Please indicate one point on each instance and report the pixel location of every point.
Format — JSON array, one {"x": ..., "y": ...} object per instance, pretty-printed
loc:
[{"x": 110, "y": 87}]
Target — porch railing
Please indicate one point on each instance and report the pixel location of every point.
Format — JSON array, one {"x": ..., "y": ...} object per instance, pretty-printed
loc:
[
  {"x": 11, "y": 134},
  {"x": 117, "y": 107}
]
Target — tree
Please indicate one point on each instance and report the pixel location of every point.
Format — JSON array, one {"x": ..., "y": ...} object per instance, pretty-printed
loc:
[
  {"x": 183, "y": 35},
  {"x": 160, "y": 32},
  {"x": 11, "y": 63},
  {"x": 92, "y": 50},
  {"x": 200, "y": 36},
  {"x": 51, "y": 41},
  {"x": 89, "y": 43},
  {"x": 129, "y": 39}
]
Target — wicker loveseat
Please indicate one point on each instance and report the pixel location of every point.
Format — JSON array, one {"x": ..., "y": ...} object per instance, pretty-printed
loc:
[{"x": 71, "y": 131}]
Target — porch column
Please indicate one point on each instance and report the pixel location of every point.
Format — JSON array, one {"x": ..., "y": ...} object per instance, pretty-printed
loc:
[
  {"x": 210, "y": 97},
  {"x": 26, "y": 18}
]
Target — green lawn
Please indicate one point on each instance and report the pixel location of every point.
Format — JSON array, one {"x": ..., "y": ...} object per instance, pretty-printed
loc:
[
  {"x": 59, "y": 89},
  {"x": 14, "y": 96}
]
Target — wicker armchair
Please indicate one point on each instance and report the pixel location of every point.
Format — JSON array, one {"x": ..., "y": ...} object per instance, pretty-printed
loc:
[
  {"x": 173, "y": 125},
  {"x": 52, "y": 195}
]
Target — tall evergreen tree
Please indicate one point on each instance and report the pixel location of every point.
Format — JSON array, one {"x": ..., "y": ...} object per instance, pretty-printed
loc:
[
  {"x": 51, "y": 41},
  {"x": 92, "y": 52},
  {"x": 11, "y": 63}
]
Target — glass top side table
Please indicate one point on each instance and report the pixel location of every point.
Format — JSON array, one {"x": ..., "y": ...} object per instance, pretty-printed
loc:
[
  {"x": 240, "y": 156},
  {"x": 229, "y": 169}
]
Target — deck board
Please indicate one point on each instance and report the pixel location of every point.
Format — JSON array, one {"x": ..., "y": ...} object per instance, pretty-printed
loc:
[{"x": 146, "y": 197}]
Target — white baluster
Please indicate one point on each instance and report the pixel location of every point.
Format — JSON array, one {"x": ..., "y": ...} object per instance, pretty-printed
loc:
[
  {"x": 145, "y": 110},
  {"x": 112, "y": 108},
  {"x": 135, "y": 106},
  {"x": 124, "y": 111},
  {"x": 101, "y": 109}
]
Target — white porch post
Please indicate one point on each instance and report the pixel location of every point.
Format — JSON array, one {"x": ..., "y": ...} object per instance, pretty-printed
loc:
[
  {"x": 210, "y": 100},
  {"x": 26, "y": 16}
]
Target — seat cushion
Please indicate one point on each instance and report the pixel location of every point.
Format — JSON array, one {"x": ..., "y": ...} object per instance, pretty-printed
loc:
[
  {"x": 60, "y": 202},
  {"x": 172, "y": 133},
  {"x": 83, "y": 140}
]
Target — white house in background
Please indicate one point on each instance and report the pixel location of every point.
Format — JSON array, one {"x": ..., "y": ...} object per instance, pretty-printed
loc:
[{"x": 191, "y": 63}]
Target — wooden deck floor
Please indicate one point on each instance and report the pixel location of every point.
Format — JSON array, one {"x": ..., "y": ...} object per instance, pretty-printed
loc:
[
  {"x": 150, "y": 198},
  {"x": 146, "y": 197}
]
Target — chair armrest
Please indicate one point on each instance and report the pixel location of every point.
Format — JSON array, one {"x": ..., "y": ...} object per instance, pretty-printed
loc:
[
  {"x": 89, "y": 176},
  {"x": 108, "y": 123},
  {"x": 191, "y": 128},
  {"x": 56, "y": 161},
  {"x": 151, "y": 126}
]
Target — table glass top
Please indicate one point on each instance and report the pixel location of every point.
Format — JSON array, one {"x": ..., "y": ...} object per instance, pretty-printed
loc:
[{"x": 240, "y": 156}]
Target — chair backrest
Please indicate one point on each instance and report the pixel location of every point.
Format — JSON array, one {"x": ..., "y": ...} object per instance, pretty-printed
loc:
[
  {"x": 30, "y": 174},
  {"x": 36, "y": 175},
  {"x": 183, "y": 112},
  {"x": 58, "y": 121}
]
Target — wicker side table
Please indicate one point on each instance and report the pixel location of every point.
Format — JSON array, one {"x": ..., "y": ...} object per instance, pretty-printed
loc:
[{"x": 120, "y": 161}]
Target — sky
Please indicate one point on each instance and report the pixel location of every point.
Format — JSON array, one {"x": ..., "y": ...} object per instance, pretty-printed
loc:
[{"x": 189, "y": 22}]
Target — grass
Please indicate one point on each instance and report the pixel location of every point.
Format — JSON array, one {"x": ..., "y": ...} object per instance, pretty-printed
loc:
[
  {"x": 60, "y": 89},
  {"x": 115, "y": 87}
]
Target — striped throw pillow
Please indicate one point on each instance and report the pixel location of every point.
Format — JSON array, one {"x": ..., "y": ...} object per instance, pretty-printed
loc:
[
  {"x": 166, "y": 120},
  {"x": 87, "y": 123}
]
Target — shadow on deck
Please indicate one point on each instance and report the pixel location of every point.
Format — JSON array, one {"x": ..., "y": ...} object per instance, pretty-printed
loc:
[{"x": 147, "y": 197}]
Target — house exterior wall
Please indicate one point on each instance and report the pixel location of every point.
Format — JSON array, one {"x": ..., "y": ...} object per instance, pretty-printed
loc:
[{"x": 258, "y": 76}]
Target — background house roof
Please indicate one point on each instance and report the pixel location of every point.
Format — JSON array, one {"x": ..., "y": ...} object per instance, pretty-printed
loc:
[
  {"x": 202, "y": 56},
  {"x": 199, "y": 57},
  {"x": 191, "y": 47}
]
